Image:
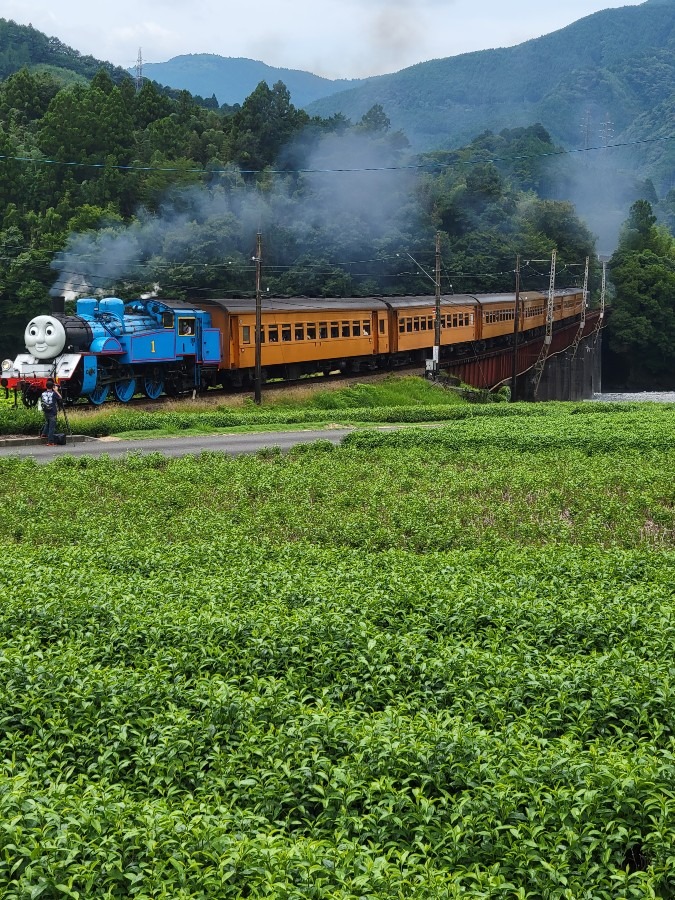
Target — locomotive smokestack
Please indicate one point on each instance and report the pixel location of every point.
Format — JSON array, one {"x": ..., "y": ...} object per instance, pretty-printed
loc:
[{"x": 58, "y": 306}]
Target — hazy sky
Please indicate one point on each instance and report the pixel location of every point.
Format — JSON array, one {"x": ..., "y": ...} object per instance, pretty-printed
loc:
[{"x": 336, "y": 38}]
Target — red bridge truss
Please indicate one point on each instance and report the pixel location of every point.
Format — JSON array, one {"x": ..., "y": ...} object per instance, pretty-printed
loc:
[{"x": 495, "y": 367}]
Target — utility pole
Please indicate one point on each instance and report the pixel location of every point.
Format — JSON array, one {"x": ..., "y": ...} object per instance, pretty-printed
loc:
[
  {"x": 551, "y": 298},
  {"x": 548, "y": 337},
  {"x": 603, "y": 290},
  {"x": 516, "y": 323},
  {"x": 432, "y": 365},
  {"x": 606, "y": 131},
  {"x": 586, "y": 129},
  {"x": 139, "y": 71},
  {"x": 584, "y": 306},
  {"x": 584, "y": 302},
  {"x": 258, "y": 320},
  {"x": 437, "y": 318}
]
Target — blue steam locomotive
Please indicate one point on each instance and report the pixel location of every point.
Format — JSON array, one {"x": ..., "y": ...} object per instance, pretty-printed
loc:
[{"x": 110, "y": 347}]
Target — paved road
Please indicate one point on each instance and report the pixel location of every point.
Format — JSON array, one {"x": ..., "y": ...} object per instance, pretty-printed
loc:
[{"x": 232, "y": 444}]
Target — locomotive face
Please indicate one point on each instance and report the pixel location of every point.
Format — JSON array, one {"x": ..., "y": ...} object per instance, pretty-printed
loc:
[{"x": 45, "y": 337}]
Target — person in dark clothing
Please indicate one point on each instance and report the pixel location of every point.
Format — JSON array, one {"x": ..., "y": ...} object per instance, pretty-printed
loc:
[{"x": 51, "y": 400}]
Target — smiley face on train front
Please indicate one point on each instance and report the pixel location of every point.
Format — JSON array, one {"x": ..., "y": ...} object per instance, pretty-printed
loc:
[{"x": 45, "y": 337}]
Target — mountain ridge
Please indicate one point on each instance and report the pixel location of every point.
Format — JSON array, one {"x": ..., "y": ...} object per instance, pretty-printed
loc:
[
  {"x": 590, "y": 84},
  {"x": 233, "y": 78},
  {"x": 515, "y": 85}
]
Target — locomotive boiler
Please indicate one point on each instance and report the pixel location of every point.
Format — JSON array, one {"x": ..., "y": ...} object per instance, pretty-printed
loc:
[{"x": 113, "y": 348}]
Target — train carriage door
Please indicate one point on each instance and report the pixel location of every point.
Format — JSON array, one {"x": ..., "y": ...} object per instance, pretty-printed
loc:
[
  {"x": 381, "y": 331},
  {"x": 235, "y": 362}
]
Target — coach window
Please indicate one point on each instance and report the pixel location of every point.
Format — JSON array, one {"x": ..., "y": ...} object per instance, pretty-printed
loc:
[
  {"x": 311, "y": 331},
  {"x": 323, "y": 331},
  {"x": 366, "y": 327},
  {"x": 246, "y": 334},
  {"x": 408, "y": 324},
  {"x": 262, "y": 334},
  {"x": 334, "y": 330},
  {"x": 401, "y": 324},
  {"x": 356, "y": 329},
  {"x": 381, "y": 325},
  {"x": 416, "y": 323},
  {"x": 299, "y": 331},
  {"x": 285, "y": 332},
  {"x": 346, "y": 331},
  {"x": 273, "y": 334},
  {"x": 423, "y": 323}
]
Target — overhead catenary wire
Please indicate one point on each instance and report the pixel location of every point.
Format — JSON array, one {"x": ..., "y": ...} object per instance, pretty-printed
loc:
[{"x": 232, "y": 170}]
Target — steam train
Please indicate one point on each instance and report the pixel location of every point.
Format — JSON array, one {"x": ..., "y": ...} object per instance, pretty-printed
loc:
[{"x": 113, "y": 348}]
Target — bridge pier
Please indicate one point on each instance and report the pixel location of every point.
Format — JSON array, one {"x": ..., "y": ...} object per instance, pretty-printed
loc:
[{"x": 568, "y": 375}]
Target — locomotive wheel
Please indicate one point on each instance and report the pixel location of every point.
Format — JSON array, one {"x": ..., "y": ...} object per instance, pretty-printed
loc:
[
  {"x": 153, "y": 385},
  {"x": 99, "y": 395},
  {"x": 29, "y": 398},
  {"x": 125, "y": 390}
]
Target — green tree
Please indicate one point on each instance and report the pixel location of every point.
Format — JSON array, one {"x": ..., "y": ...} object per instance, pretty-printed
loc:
[
  {"x": 25, "y": 97},
  {"x": 149, "y": 105},
  {"x": 375, "y": 120},
  {"x": 266, "y": 122},
  {"x": 642, "y": 322}
]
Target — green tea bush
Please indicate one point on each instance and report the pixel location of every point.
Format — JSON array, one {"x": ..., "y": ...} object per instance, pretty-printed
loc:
[{"x": 439, "y": 668}]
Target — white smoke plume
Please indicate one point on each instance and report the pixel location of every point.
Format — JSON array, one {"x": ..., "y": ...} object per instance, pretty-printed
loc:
[{"x": 211, "y": 226}]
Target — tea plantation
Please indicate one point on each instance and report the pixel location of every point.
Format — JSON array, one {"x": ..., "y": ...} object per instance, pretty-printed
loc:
[{"x": 438, "y": 663}]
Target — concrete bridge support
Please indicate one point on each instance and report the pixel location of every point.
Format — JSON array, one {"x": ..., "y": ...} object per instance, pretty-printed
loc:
[{"x": 568, "y": 375}]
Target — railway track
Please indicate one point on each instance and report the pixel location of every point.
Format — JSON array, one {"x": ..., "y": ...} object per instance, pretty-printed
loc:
[{"x": 218, "y": 395}]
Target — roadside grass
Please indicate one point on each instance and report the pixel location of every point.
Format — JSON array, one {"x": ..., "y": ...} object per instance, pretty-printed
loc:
[{"x": 394, "y": 398}]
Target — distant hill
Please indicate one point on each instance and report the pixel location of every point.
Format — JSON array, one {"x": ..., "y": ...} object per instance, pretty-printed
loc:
[
  {"x": 232, "y": 79},
  {"x": 585, "y": 82},
  {"x": 24, "y": 46}
]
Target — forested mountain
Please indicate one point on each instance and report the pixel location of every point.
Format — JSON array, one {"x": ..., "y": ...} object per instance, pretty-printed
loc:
[
  {"x": 233, "y": 79},
  {"x": 23, "y": 46},
  {"x": 596, "y": 81}
]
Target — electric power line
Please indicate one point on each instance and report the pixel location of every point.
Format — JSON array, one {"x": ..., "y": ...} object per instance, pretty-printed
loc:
[{"x": 346, "y": 170}]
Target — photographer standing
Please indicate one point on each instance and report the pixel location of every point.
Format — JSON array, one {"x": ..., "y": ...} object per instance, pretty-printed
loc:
[{"x": 50, "y": 400}]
